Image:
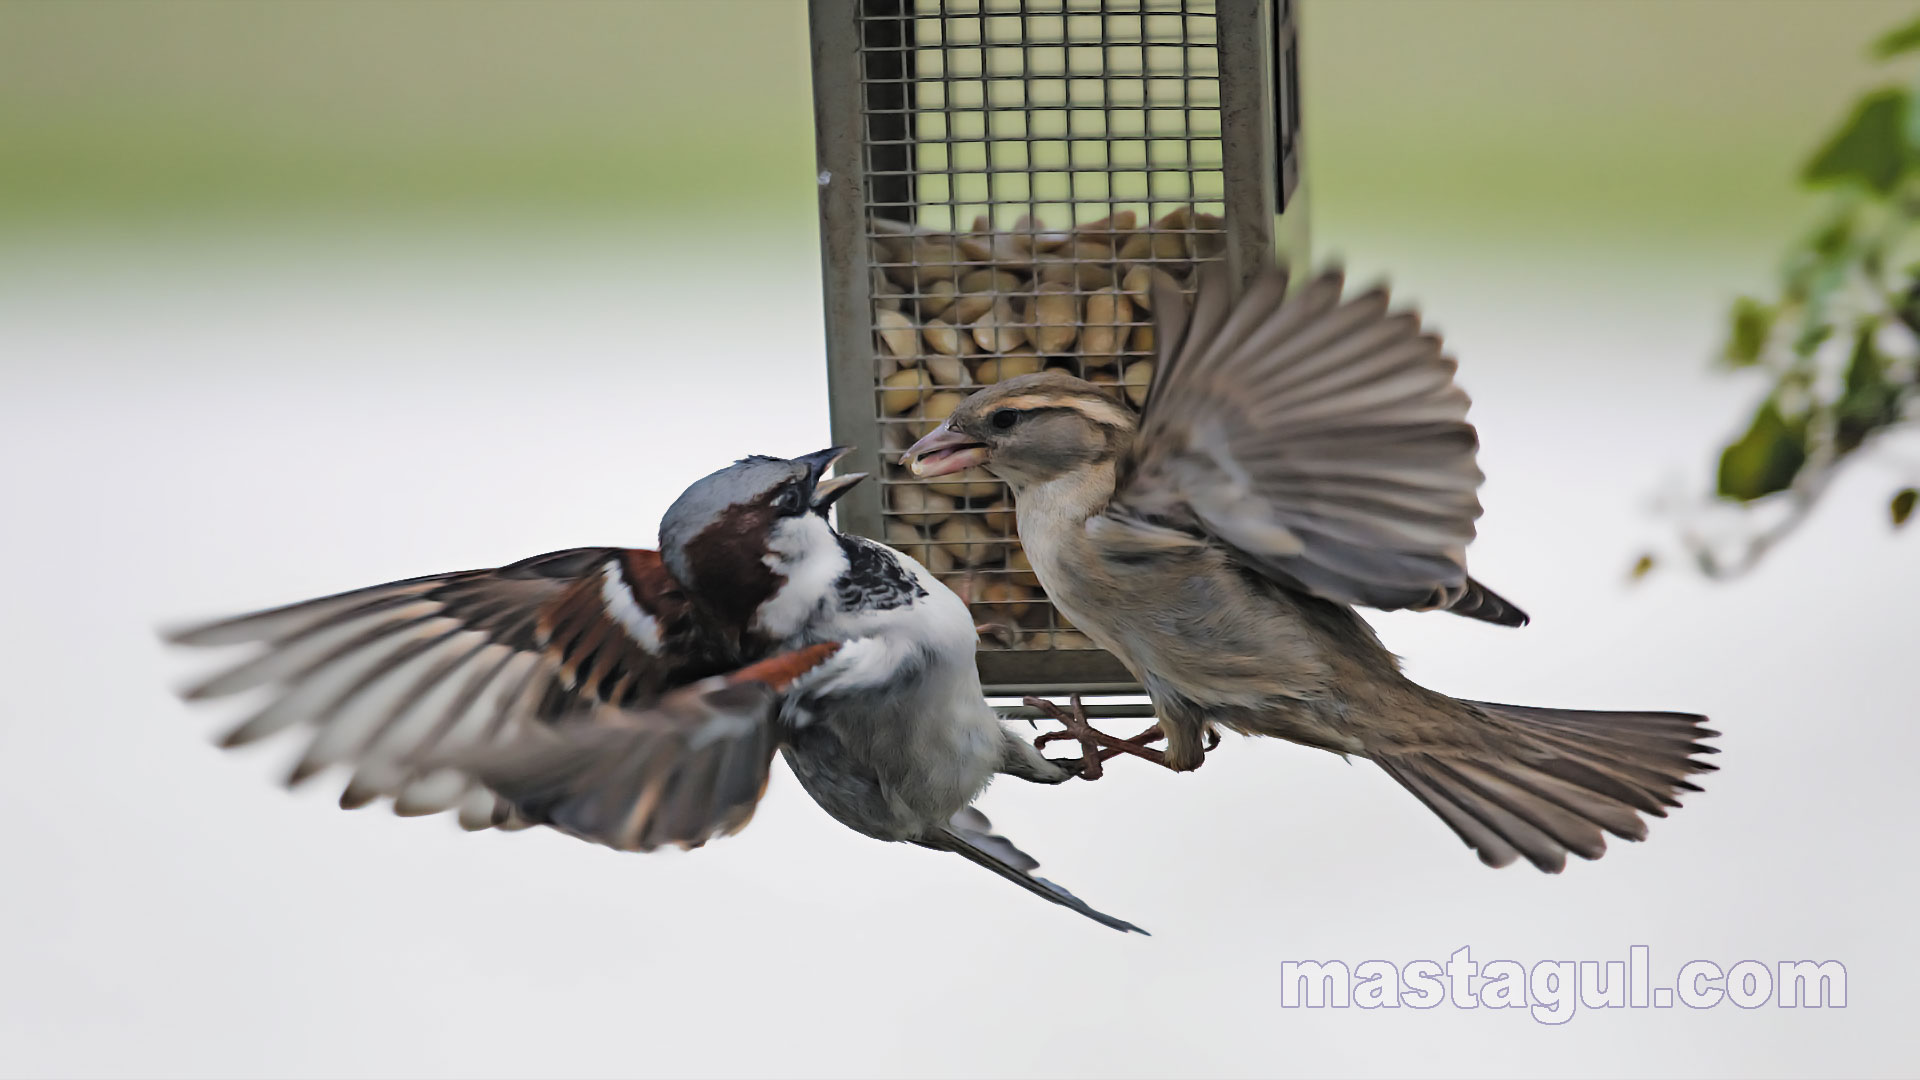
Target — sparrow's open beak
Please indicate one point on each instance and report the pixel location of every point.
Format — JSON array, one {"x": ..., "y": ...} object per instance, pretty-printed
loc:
[
  {"x": 943, "y": 451},
  {"x": 826, "y": 491}
]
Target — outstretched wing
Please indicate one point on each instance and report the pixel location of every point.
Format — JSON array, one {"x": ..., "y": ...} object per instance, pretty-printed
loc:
[
  {"x": 1322, "y": 439},
  {"x": 393, "y": 675},
  {"x": 688, "y": 768}
]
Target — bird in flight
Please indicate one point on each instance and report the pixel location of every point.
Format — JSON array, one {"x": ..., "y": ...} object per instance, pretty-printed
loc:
[
  {"x": 1298, "y": 456},
  {"x": 637, "y": 698}
]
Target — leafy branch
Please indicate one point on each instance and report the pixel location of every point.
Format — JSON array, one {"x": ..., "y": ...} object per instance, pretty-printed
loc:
[{"x": 1840, "y": 340}]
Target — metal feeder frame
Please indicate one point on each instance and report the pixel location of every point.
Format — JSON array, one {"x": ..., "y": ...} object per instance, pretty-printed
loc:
[{"x": 1042, "y": 117}]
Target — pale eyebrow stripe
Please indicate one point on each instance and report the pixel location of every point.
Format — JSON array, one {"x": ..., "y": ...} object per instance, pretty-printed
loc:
[{"x": 1098, "y": 410}]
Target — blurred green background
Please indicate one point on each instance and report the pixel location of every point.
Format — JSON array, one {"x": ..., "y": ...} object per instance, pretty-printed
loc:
[{"x": 1678, "y": 122}]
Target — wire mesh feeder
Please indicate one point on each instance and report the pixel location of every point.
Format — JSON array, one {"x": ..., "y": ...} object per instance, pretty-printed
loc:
[{"x": 998, "y": 178}]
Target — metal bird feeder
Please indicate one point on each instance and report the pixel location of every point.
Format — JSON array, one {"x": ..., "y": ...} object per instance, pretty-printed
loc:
[{"x": 997, "y": 177}]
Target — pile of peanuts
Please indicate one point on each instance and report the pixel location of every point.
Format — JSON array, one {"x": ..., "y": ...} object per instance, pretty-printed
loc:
[{"x": 957, "y": 311}]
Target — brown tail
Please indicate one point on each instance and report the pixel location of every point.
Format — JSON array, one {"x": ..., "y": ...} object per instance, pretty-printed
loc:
[{"x": 1545, "y": 782}]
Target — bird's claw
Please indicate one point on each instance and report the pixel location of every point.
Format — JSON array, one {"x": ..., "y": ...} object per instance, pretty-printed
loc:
[
  {"x": 1096, "y": 746},
  {"x": 1074, "y": 767},
  {"x": 1074, "y": 721}
]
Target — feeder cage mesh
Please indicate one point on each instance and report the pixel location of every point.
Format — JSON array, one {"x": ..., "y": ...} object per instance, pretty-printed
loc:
[{"x": 998, "y": 178}]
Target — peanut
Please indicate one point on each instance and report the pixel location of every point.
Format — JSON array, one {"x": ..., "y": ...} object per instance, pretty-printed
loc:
[
  {"x": 997, "y": 330},
  {"x": 971, "y": 484},
  {"x": 1108, "y": 312},
  {"x": 897, "y": 333},
  {"x": 995, "y": 368},
  {"x": 970, "y": 541},
  {"x": 937, "y": 298},
  {"x": 1138, "y": 378},
  {"x": 946, "y": 338},
  {"x": 904, "y": 389},
  {"x": 1055, "y": 313},
  {"x": 946, "y": 370},
  {"x": 915, "y": 504}
]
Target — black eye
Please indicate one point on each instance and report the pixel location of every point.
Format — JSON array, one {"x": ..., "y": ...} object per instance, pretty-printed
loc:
[
  {"x": 1002, "y": 419},
  {"x": 789, "y": 500}
]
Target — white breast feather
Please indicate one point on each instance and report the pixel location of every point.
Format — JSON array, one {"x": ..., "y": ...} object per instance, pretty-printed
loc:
[
  {"x": 939, "y": 618},
  {"x": 805, "y": 552},
  {"x": 954, "y": 736}
]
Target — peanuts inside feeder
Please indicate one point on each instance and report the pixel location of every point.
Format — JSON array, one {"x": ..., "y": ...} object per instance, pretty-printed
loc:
[{"x": 998, "y": 181}]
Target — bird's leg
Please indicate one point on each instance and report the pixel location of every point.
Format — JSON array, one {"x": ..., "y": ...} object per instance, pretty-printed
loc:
[
  {"x": 1151, "y": 735},
  {"x": 1119, "y": 746},
  {"x": 1007, "y": 634},
  {"x": 1075, "y": 721},
  {"x": 1097, "y": 746}
]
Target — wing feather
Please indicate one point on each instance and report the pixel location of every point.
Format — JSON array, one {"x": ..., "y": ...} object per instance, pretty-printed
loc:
[
  {"x": 388, "y": 676},
  {"x": 1323, "y": 440},
  {"x": 679, "y": 772}
]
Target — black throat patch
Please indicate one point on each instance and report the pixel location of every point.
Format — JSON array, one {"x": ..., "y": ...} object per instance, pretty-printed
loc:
[{"x": 875, "y": 580}]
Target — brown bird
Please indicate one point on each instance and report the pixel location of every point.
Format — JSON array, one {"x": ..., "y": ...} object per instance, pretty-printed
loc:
[{"x": 1298, "y": 456}]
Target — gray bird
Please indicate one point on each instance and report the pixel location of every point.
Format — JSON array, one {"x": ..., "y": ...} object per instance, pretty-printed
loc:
[
  {"x": 636, "y": 699},
  {"x": 1297, "y": 456}
]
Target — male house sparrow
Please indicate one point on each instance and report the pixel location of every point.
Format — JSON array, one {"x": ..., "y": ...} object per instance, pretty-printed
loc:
[
  {"x": 1297, "y": 456},
  {"x": 595, "y": 690}
]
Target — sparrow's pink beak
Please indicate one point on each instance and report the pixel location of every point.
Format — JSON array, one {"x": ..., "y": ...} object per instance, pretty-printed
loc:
[{"x": 943, "y": 451}]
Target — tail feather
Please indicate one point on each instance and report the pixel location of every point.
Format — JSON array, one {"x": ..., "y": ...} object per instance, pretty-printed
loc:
[
  {"x": 969, "y": 835},
  {"x": 1480, "y": 602},
  {"x": 1476, "y": 834},
  {"x": 1546, "y": 783},
  {"x": 1641, "y": 769}
]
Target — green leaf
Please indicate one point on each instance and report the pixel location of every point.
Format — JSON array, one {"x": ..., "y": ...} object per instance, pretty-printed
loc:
[
  {"x": 1907, "y": 310},
  {"x": 1752, "y": 322},
  {"x": 1866, "y": 369},
  {"x": 1870, "y": 150},
  {"x": 1869, "y": 402},
  {"x": 1766, "y": 458},
  {"x": 1642, "y": 566},
  {"x": 1833, "y": 239},
  {"x": 1818, "y": 266},
  {"x": 1901, "y": 39},
  {"x": 1873, "y": 256},
  {"x": 1812, "y": 336},
  {"x": 1910, "y": 131},
  {"x": 1902, "y": 506}
]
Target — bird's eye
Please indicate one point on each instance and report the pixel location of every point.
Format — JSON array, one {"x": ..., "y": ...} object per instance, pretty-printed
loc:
[
  {"x": 1002, "y": 419},
  {"x": 789, "y": 500}
]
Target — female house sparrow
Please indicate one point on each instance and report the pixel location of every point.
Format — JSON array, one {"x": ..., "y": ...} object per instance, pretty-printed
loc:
[
  {"x": 1297, "y": 456},
  {"x": 595, "y": 690}
]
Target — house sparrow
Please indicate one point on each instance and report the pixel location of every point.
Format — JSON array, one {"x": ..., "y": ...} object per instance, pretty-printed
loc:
[
  {"x": 1297, "y": 456},
  {"x": 636, "y": 698}
]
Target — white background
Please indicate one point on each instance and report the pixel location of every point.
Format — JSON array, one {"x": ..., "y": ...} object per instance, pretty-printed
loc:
[{"x": 191, "y": 431}]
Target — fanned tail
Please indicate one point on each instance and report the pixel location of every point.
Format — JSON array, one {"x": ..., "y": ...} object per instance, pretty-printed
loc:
[{"x": 1543, "y": 783}]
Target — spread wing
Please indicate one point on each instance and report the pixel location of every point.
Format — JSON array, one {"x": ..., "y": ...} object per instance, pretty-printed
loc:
[
  {"x": 1322, "y": 439},
  {"x": 393, "y": 676},
  {"x": 681, "y": 771}
]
